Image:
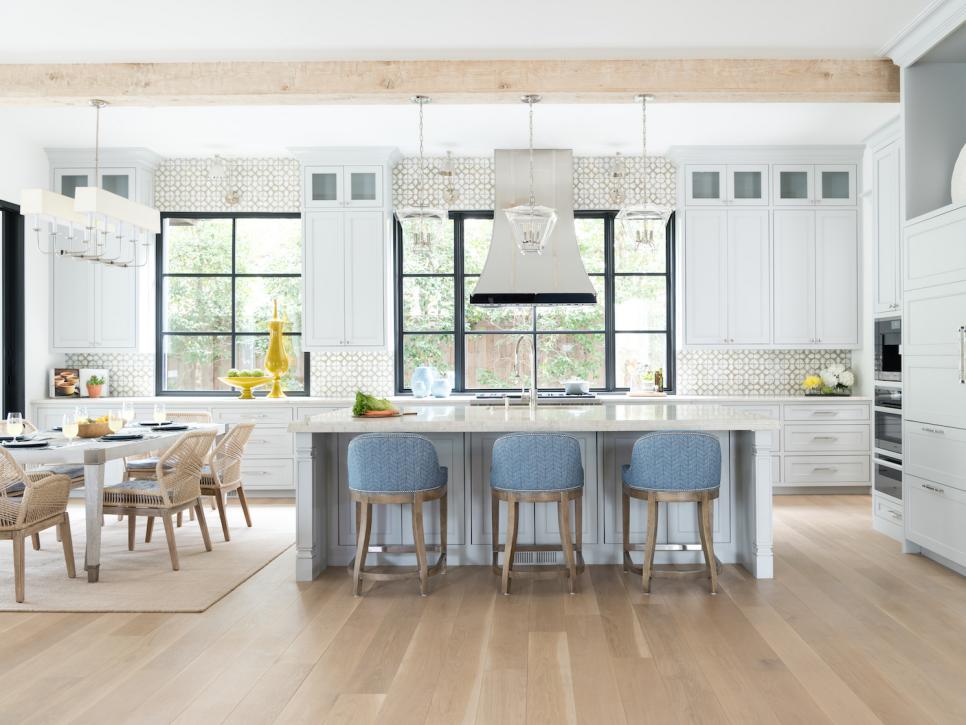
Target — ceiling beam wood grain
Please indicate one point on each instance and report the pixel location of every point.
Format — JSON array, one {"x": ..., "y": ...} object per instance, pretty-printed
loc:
[{"x": 448, "y": 81}]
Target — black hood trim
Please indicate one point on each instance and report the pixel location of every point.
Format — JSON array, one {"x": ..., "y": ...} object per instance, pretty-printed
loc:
[{"x": 498, "y": 299}]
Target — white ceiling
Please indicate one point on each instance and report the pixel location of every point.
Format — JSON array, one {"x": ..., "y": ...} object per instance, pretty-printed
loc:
[
  {"x": 172, "y": 30},
  {"x": 466, "y": 130}
]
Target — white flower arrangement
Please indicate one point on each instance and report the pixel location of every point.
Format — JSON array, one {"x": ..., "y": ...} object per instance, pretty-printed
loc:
[{"x": 836, "y": 379}]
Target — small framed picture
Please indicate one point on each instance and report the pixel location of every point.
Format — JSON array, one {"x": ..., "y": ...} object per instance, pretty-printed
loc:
[
  {"x": 94, "y": 383},
  {"x": 64, "y": 383}
]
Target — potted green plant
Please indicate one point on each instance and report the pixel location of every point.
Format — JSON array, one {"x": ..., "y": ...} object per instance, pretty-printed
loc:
[{"x": 95, "y": 386}]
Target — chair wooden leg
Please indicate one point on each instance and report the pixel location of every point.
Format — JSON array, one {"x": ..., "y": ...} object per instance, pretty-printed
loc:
[
  {"x": 651, "y": 541},
  {"x": 443, "y": 526},
  {"x": 68, "y": 542},
  {"x": 131, "y": 531},
  {"x": 243, "y": 500},
  {"x": 222, "y": 514},
  {"x": 169, "y": 534},
  {"x": 563, "y": 516},
  {"x": 203, "y": 523},
  {"x": 180, "y": 519},
  {"x": 363, "y": 526},
  {"x": 626, "y": 527},
  {"x": 708, "y": 527},
  {"x": 513, "y": 512},
  {"x": 213, "y": 504},
  {"x": 35, "y": 540},
  {"x": 19, "y": 560},
  {"x": 495, "y": 528},
  {"x": 419, "y": 539},
  {"x": 148, "y": 530}
]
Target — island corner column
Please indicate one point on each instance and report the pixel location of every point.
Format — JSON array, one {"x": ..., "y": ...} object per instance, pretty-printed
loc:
[
  {"x": 310, "y": 509},
  {"x": 754, "y": 502}
]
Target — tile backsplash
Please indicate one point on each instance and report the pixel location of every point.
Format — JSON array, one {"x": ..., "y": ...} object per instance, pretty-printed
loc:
[
  {"x": 751, "y": 372},
  {"x": 128, "y": 374}
]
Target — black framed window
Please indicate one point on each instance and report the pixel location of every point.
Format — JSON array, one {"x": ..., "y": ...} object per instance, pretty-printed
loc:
[
  {"x": 631, "y": 327},
  {"x": 217, "y": 277}
]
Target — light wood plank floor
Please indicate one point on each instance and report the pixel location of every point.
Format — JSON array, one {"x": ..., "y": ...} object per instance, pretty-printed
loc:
[{"x": 850, "y": 631}]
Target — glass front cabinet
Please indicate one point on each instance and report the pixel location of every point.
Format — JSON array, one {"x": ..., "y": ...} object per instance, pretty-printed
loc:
[
  {"x": 744, "y": 184},
  {"x": 329, "y": 187},
  {"x": 808, "y": 184}
]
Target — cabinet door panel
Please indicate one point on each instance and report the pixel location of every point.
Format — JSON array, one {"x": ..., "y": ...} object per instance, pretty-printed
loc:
[
  {"x": 794, "y": 277},
  {"x": 887, "y": 226},
  {"x": 704, "y": 260},
  {"x": 835, "y": 185},
  {"x": 449, "y": 448},
  {"x": 933, "y": 318},
  {"x": 323, "y": 319},
  {"x": 933, "y": 389},
  {"x": 481, "y": 457},
  {"x": 933, "y": 251},
  {"x": 934, "y": 516},
  {"x": 836, "y": 262},
  {"x": 547, "y": 523},
  {"x": 323, "y": 187},
  {"x": 617, "y": 450},
  {"x": 363, "y": 186},
  {"x": 115, "y": 307},
  {"x": 682, "y": 526},
  {"x": 706, "y": 185},
  {"x": 935, "y": 452},
  {"x": 749, "y": 278},
  {"x": 72, "y": 313},
  {"x": 794, "y": 185},
  {"x": 365, "y": 279},
  {"x": 748, "y": 184}
]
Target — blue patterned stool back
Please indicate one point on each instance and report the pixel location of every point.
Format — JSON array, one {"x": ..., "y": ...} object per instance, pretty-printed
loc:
[
  {"x": 674, "y": 461},
  {"x": 393, "y": 463},
  {"x": 536, "y": 462}
]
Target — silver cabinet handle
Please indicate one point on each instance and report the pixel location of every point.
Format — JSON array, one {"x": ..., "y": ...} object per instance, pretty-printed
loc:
[
  {"x": 830, "y": 469},
  {"x": 825, "y": 412},
  {"x": 934, "y": 489},
  {"x": 825, "y": 438},
  {"x": 962, "y": 354},
  {"x": 895, "y": 514},
  {"x": 256, "y": 473},
  {"x": 938, "y": 432},
  {"x": 252, "y": 440}
]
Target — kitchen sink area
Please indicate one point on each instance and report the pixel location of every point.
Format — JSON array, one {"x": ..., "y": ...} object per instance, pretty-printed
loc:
[{"x": 544, "y": 398}]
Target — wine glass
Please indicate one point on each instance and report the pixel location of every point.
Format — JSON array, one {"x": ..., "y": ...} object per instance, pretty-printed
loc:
[
  {"x": 14, "y": 424},
  {"x": 160, "y": 414},
  {"x": 127, "y": 413},
  {"x": 69, "y": 427},
  {"x": 114, "y": 421}
]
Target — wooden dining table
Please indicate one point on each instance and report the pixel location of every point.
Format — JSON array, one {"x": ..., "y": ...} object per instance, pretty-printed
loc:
[{"x": 95, "y": 454}]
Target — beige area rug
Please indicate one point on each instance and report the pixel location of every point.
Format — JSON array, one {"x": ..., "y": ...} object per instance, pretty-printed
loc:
[{"x": 142, "y": 580}]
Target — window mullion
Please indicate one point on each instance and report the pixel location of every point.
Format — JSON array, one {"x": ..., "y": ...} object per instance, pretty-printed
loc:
[{"x": 459, "y": 289}]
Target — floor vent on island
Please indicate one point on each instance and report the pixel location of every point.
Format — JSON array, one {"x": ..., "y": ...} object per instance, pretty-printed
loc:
[{"x": 538, "y": 557}]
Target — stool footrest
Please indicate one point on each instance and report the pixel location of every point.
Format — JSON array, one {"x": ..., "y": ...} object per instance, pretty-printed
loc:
[
  {"x": 667, "y": 571},
  {"x": 392, "y": 573}
]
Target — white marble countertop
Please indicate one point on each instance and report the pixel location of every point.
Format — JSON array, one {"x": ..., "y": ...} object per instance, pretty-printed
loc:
[{"x": 550, "y": 418}]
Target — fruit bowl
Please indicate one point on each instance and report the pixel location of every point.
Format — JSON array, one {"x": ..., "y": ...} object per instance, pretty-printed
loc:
[
  {"x": 246, "y": 384},
  {"x": 93, "y": 429}
]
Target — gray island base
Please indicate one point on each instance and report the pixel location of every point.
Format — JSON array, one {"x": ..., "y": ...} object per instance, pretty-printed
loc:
[{"x": 464, "y": 436}]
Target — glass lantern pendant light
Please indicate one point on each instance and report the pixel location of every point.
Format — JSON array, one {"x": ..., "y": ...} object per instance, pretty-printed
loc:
[
  {"x": 643, "y": 224},
  {"x": 426, "y": 222},
  {"x": 531, "y": 224}
]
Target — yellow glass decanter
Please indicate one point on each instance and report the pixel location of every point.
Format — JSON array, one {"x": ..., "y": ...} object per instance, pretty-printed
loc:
[{"x": 276, "y": 359}]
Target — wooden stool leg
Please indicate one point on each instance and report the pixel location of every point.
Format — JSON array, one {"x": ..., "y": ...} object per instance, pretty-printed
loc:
[
  {"x": 364, "y": 522},
  {"x": 243, "y": 500},
  {"x": 169, "y": 535},
  {"x": 148, "y": 530},
  {"x": 35, "y": 540},
  {"x": 203, "y": 523},
  {"x": 708, "y": 528},
  {"x": 563, "y": 515},
  {"x": 579, "y": 521},
  {"x": 131, "y": 531},
  {"x": 443, "y": 526},
  {"x": 704, "y": 542},
  {"x": 651, "y": 541},
  {"x": 419, "y": 539},
  {"x": 495, "y": 527},
  {"x": 180, "y": 519},
  {"x": 513, "y": 513},
  {"x": 626, "y": 527},
  {"x": 222, "y": 514},
  {"x": 19, "y": 561},
  {"x": 68, "y": 542}
]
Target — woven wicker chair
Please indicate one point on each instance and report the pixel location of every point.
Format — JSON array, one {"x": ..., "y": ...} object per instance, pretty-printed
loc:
[
  {"x": 222, "y": 475},
  {"x": 143, "y": 467},
  {"x": 40, "y": 503},
  {"x": 73, "y": 471},
  {"x": 176, "y": 487}
]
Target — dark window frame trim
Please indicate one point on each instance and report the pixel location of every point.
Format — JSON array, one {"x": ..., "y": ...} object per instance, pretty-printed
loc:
[
  {"x": 159, "y": 333},
  {"x": 459, "y": 332}
]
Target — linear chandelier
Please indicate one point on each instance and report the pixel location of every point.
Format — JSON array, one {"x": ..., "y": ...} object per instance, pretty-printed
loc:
[{"x": 96, "y": 225}]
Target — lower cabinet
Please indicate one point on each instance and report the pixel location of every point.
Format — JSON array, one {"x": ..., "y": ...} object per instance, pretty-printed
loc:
[{"x": 934, "y": 516}]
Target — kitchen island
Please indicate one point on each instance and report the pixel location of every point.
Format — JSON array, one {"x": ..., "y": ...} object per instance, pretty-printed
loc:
[{"x": 464, "y": 436}]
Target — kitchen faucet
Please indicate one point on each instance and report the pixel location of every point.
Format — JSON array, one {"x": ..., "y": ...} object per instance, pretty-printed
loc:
[{"x": 533, "y": 379}]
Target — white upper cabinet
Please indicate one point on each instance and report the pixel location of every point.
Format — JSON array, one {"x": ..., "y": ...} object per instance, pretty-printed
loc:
[
  {"x": 358, "y": 186},
  {"x": 794, "y": 278},
  {"x": 742, "y": 184},
  {"x": 809, "y": 184},
  {"x": 365, "y": 279},
  {"x": 887, "y": 228},
  {"x": 727, "y": 277},
  {"x": 323, "y": 254}
]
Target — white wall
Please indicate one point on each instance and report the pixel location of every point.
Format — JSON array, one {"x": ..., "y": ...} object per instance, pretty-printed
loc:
[{"x": 24, "y": 164}]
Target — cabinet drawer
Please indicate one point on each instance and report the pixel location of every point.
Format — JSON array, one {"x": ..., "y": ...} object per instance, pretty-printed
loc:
[
  {"x": 827, "y": 439},
  {"x": 887, "y": 510},
  {"x": 932, "y": 389},
  {"x": 936, "y": 453},
  {"x": 270, "y": 442},
  {"x": 270, "y": 416},
  {"x": 934, "y": 516},
  {"x": 827, "y": 470},
  {"x": 826, "y": 412},
  {"x": 267, "y": 474}
]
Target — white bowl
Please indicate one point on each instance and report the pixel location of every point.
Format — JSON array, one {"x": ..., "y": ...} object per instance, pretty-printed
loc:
[{"x": 576, "y": 387}]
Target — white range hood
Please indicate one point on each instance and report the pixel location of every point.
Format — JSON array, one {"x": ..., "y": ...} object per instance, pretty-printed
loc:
[{"x": 555, "y": 277}]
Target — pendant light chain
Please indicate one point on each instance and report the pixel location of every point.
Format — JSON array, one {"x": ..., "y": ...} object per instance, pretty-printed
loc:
[
  {"x": 97, "y": 140},
  {"x": 422, "y": 164},
  {"x": 530, "y": 101},
  {"x": 643, "y": 149}
]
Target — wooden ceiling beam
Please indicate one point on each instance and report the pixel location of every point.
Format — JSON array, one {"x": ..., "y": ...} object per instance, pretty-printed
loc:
[{"x": 448, "y": 81}]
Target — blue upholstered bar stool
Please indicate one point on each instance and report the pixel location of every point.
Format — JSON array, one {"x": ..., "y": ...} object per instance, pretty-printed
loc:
[
  {"x": 536, "y": 468},
  {"x": 389, "y": 468},
  {"x": 673, "y": 466}
]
